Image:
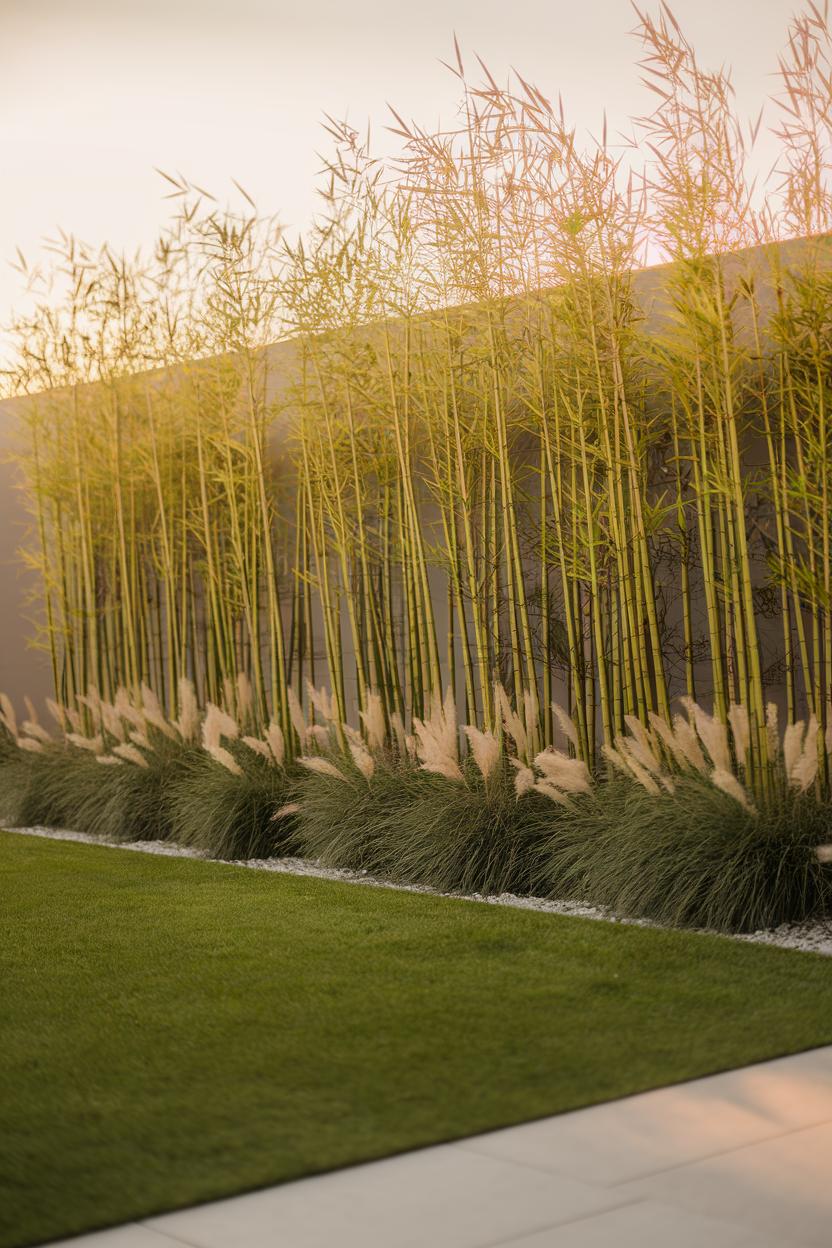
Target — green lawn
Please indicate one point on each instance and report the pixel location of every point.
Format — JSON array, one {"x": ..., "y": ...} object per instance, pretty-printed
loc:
[{"x": 173, "y": 1031}]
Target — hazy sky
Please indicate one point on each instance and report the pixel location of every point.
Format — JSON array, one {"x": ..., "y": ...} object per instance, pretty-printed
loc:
[{"x": 95, "y": 93}]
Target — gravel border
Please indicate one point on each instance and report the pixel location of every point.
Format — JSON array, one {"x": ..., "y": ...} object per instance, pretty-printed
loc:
[{"x": 813, "y": 937}]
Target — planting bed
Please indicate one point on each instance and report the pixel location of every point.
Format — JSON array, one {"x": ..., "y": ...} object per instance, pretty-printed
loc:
[{"x": 175, "y": 1031}]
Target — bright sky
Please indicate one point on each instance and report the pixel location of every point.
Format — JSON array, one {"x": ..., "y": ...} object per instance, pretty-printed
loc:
[{"x": 95, "y": 93}]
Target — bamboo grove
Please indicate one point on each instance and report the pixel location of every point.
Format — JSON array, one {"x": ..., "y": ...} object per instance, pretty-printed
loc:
[{"x": 494, "y": 458}]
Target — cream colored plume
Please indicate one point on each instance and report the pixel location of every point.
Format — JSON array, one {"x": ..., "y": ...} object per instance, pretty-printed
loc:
[
  {"x": 436, "y": 738},
  {"x": 7, "y": 714},
  {"x": 524, "y": 781},
  {"x": 113, "y": 722},
  {"x": 688, "y": 743},
  {"x": 321, "y": 699},
  {"x": 188, "y": 721},
  {"x": 624, "y": 760},
  {"x": 277, "y": 743},
  {"x": 485, "y": 750},
  {"x": 552, "y": 792},
  {"x": 131, "y": 755},
  {"x": 245, "y": 697},
  {"x": 323, "y": 766},
  {"x": 108, "y": 761},
  {"x": 740, "y": 731},
  {"x": 712, "y": 734},
  {"x": 570, "y": 774},
  {"x": 362, "y": 758},
  {"x": 154, "y": 714},
  {"x": 640, "y": 745},
  {"x": 95, "y": 745},
  {"x": 225, "y": 759},
  {"x": 141, "y": 739},
  {"x": 258, "y": 747},
  {"x": 75, "y": 721},
  {"x": 566, "y": 724},
  {"x": 296, "y": 714},
  {"x": 373, "y": 720},
  {"x": 126, "y": 709},
  {"x": 218, "y": 723},
  {"x": 512, "y": 723},
  {"x": 728, "y": 783},
  {"x": 823, "y": 853},
  {"x": 34, "y": 729},
  {"x": 283, "y": 812},
  {"x": 57, "y": 712},
  {"x": 31, "y": 709},
  {"x": 805, "y": 769},
  {"x": 320, "y": 735},
  {"x": 29, "y": 744},
  {"x": 792, "y": 746}
]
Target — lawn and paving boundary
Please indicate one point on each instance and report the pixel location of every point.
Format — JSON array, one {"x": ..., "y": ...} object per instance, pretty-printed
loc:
[{"x": 175, "y": 1031}]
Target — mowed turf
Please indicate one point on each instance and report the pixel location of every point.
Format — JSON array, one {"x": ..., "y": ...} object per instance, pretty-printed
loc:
[{"x": 173, "y": 1031}]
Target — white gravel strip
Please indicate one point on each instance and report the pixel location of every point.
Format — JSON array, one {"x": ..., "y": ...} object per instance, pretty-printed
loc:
[{"x": 809, "y": 937}]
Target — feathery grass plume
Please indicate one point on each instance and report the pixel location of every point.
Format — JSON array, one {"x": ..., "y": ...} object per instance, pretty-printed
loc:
[
  {"x": 245, "y": 698},
  {"x": 75, "y": 720},
  {"x": 189, "y": 717},
  {"x": 629, "y": 763},
  {"x": 218, "y": 723},
  {"x": 728, "y": 783},
  {"x": 823, "y": 853},
  {"x": 7, "y": 714},
  {"x": 666, "y": 735},
  {"x": 126, "y": 709},
  {"x": 362, "y": 758},
  {"x": 688, "y": 744},
  {"x": 551, "y": 791},
  {"x": 112, "y": 722},
  {"x": 94, "y": 745},
  {"x": 108, "y": 760},
  {"x": 140, "y": 739},
  {"x": 283, "y": 812},
  {"x": 321, "y": 699},
  {"x": 485, "y": 750},
  {"x": 30, "y": 744},
  {"x": 804, "y": 771},
  {"x": 741, "y": 731},
  {"x": 512, "y": 723},
  {"x": 131, "y": 755},
  {"x": 57, "y": 713},
  {"x": 640, "y": 745},
  {"x": 436, "y": 738},
  {"x": 524, "y": 780},
  {"x": 792, "y": 746},
  {"x": 712, "y": 733},
  {"x": 566, "y": 725},
  {"x": 153, "y": 713},
  {"x": 373, "y": 719},
  {"x": 31, "y": 709},
  {"x": 570, "y": 774},
  {"x": 277, "y": 743},
  {"x": 323, "y": 766},
  {"x": 320, "y": 735},
  {"x": 34, "y": 729},
  {"x": 258, "y": 747},
  {"x": 296, "y": 716},
  {"x": 225, "y": 759}
]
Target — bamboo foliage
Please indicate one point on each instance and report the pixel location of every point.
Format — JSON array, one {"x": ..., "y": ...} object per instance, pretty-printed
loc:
[{"x": 497, "y": 474}]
